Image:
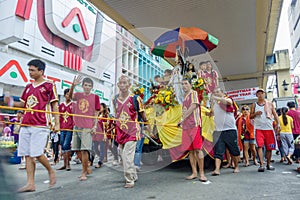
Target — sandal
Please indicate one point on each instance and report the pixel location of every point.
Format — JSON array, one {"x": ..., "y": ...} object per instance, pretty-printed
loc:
[
  {"x": 215, "y": 174},
  {"x": 128, "y": 185},
  {"x": 190, "y": 177},
  {"x": 97, "y": 166},
  {"x": 290, "y": 161},
  {"x": 261, "y": 169}
]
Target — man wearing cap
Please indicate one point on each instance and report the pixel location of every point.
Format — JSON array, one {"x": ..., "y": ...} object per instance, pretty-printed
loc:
[{"x": 263, "y": 113}]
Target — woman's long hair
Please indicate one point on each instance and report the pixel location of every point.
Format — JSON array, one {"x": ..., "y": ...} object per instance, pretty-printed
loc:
[
  {"x": 104, "y": 112},
  {"x": 284, "y": 110}
]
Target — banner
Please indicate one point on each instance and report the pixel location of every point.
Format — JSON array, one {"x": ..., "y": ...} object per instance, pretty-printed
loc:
[{"x": 243, "y": 94}]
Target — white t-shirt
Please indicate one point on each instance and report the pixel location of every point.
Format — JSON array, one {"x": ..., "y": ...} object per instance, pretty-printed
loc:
[
  {"x": 261, "y": 122},
  {"x": 223, "y": 120}
]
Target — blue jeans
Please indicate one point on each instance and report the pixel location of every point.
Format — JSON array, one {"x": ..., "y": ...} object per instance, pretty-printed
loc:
[
  {"x": 96, "y": 151},
  {"x": 138, "y": 152},
  {"x": 65, "y": 140}
]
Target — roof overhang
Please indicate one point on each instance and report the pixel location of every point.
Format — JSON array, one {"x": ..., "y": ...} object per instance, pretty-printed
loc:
[{"x": 246, "y": 29}]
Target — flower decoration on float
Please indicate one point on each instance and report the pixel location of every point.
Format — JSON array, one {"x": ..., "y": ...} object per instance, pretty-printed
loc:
[
  {"x": 166, "y": 97},
  {"x": 198, "y": 84},
  {"x": 138, "y": 89}
]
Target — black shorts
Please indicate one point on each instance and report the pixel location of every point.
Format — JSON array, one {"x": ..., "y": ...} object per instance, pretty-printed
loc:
[{"x": 223, "y": 139}]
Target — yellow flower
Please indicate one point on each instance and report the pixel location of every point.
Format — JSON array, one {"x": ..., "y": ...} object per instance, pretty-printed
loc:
[
  {"x": 156, "y": 100},
  {"x": 168, "y": 93},
  {"x": 161, "y": 99},
  {"x": 168, "y": 99},
  {"x": 142, "y": 90},
  {"x": 200, "y": 81}
]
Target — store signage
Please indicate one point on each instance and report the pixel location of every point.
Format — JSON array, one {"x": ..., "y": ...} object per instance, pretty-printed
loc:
[
  {"x": 14, "y": 71},
  {"x": 72, "y": 20},
  {"x": 242, "y": 94},
  {"x": 88, "y": 6}
]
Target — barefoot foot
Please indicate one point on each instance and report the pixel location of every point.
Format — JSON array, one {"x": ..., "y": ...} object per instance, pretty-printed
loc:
[
  {"x": 26, "y": 188},
  {"x": 52, "y": 179}
]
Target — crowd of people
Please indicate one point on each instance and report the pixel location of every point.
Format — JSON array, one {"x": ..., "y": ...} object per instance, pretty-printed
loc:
[{"x": 87, "y": 128}]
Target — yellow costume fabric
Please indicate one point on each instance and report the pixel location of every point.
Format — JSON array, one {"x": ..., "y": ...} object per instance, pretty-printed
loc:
[{"x": 169, "y": 134}]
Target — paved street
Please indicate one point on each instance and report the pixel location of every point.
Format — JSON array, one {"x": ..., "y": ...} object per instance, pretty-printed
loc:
[{"x": 162, "y": 182}]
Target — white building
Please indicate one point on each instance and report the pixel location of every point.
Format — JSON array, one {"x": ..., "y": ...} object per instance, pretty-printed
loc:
[
  {"x": 294, "y": 27},
  {"x": 71, "y": 36}
]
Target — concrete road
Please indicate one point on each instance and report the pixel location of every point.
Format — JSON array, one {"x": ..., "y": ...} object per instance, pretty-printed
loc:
[{"x": 162, "y": 182}]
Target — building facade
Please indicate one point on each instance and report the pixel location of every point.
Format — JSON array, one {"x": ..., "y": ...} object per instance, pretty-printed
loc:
[
  {"x": 71, "y": 36},
  {"x": 136, "y": 61},
  {"x": 294, "y": 27}
]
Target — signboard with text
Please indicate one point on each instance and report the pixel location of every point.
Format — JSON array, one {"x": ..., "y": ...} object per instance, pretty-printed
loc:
[
  {"x": 243, "y": 94},
  {"x": 14, "y": 71},
  {"x": 73, "y": 20}
]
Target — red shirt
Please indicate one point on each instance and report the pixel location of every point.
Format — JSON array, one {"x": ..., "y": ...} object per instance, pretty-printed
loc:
[
  {"x": 100, "y": 131},
  {"x": 296, "y": 121},
  {"x": 85, "y": 105},
  {"x": 66, "y": 121},
  {"x": 110, "y": 125},
  {"x": 38, "y": 98},
  {"x": 210, "y": 79},
  {"x": 194, "y": 119},
  {"x": 127, "y": 130}
]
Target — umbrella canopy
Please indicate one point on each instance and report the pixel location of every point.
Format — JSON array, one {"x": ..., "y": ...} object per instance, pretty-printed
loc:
[{"x": 194, "y": 39}]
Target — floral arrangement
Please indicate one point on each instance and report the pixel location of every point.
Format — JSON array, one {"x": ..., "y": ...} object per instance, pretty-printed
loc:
[
  {"x": 165, "y": 97},
  {"x": 138, "y": 89},
  {"x": 199, "y": 86}
]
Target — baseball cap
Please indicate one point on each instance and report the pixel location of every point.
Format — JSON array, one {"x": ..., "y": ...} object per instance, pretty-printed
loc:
[{"x": 260, "y": 90}]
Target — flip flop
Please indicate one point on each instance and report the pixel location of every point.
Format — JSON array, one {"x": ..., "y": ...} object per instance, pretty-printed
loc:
[
  {"x": 215, "y": 174},
  {"x": 127, "y": 185},
  {"x": 190, "y": 178},
  {"x": 98, "y": 166},
  {"x": 61, "y": 168},
  {"x": 82, "y": 178},
  {"x": 203, "y": 180},
  {"x": 290, "y": 161},
  {"x": 24, "y": 189}
]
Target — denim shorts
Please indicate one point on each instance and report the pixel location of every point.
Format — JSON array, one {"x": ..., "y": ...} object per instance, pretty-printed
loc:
[{"x": 250, "y": 141}]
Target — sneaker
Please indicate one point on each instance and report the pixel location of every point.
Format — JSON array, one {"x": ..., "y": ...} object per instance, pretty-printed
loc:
[
  {"x": 270, "y": 168},
  {"x": 261, "y": 169},
  {"x": 137, "y": 168},
  {"x": 115, "y": 163},
  {"x": 22, "y": 167}
]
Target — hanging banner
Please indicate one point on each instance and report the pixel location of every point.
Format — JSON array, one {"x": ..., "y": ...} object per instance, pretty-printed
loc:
[{"x": 242, "y": 94}]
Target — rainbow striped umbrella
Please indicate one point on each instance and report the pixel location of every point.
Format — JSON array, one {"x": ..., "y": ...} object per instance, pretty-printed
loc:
[{"x": 194, "y": 39}]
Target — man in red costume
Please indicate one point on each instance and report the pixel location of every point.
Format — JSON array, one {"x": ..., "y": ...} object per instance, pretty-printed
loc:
[
  {"x": 191, "y": 133},
  {"x": 127, "y": 108},
  {"x": 33, "y": 136}
]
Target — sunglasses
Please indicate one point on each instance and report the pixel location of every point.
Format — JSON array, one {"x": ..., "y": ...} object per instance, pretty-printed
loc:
[{"x": 245, "y": 108}]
